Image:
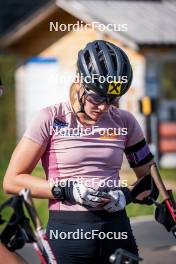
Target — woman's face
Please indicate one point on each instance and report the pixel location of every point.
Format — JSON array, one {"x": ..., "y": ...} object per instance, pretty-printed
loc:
[{"x": 94, "y": 111}]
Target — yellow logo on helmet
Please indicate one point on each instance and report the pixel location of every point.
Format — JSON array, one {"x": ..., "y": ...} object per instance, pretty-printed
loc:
[{"x": 115, "y": 88}]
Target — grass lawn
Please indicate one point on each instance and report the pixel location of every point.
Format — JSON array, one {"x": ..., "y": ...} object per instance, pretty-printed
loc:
[
  {"x": 168, "y": 174},
  {"x": 132, "y": 209}
]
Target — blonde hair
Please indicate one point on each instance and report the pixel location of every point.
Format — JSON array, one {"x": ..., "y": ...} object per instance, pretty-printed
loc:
[
  {"x": 73, "y": 97},
  {"x": 72, "y": 94}
]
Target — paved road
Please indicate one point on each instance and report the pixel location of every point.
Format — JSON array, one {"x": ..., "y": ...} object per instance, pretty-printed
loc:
[{"x": 156, "y": 245}]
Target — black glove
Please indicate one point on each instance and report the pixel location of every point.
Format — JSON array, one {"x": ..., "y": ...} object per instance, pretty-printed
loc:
[
  {"x": 163, "y": 216},
  {"x": 145, "y": 183}
]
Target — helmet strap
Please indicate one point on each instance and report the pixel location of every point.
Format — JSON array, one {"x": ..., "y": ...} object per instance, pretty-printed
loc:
[
  {"x": 81, "y": 113},
  {"x": 81, "y": 100}
]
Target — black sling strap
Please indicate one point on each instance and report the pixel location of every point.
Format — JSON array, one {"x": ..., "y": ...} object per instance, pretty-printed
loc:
[{"x": 17, "y": 231}]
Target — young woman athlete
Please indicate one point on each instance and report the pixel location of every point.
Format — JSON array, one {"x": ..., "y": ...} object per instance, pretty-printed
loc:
[{"x": 81, "y": 144}]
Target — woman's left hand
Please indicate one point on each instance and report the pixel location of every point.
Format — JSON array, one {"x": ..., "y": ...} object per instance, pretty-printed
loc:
[{"x": 117, "y": 201}]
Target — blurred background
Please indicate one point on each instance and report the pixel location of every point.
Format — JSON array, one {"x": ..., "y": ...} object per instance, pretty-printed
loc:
[{"x": 38, "y": 53}]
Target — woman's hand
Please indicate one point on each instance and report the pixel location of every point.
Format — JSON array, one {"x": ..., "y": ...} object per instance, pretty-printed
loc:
[
  {"x": 76, "y": 192},
  {"x": 117, "y": 201}
]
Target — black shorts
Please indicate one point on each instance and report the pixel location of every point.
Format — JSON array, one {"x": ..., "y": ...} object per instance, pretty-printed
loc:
[{"x": 89, "y": 237}]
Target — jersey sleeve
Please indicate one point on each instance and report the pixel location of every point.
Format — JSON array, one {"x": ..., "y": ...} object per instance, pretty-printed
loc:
[
  {"x": 135, "y": 133},
  {"x": 136, "y": 150},
  {"x": 39, "y": 129}
]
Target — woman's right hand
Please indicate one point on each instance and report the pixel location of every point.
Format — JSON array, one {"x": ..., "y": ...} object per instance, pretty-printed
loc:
[{"x": 77, "y": 192}]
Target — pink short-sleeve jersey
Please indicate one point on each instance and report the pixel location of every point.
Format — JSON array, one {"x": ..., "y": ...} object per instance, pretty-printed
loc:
[{"x": 91, "y": 154}]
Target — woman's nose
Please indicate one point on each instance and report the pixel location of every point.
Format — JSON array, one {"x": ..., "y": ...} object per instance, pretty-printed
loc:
[{"x": 102, "y": 107}]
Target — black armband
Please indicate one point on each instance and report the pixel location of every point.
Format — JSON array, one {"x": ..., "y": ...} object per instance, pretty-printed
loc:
[{"x": 138, "y": 154}]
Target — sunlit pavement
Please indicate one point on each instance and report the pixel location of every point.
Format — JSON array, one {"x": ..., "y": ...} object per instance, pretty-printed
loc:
[{"x": 156, "y": 245}]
